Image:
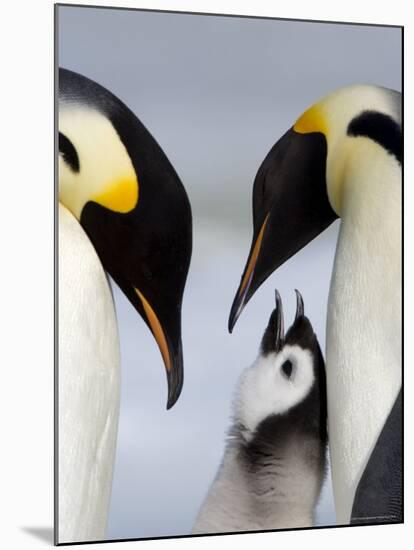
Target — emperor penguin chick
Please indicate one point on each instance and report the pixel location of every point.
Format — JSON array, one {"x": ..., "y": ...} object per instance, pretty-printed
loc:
[{"x": 275, "y": 456}]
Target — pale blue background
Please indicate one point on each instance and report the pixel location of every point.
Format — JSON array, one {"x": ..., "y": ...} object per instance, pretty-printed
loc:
[{"x": 216, "y": 93}]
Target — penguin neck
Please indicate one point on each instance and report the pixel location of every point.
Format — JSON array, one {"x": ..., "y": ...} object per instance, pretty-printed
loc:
[
  {"x": 368, "y": 255},
  {"x": 364, "y": 316}
]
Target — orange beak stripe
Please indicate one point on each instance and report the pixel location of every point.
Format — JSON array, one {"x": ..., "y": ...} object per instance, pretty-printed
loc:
[
  {"x": 156, "y": 330},
  {"x": 253, "y": 258}
]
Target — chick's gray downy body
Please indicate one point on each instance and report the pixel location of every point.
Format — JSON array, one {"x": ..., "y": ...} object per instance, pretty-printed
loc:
[{"x": 275, "y": 456}]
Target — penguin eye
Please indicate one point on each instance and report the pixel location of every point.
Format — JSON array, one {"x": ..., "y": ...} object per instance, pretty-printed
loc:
[
  {"x": 68, "y": 152},
  {"x": 287, "y": 368}
]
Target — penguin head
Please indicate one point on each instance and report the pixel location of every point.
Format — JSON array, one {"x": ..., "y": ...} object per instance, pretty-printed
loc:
[
  {"x": 300, "y": 186},
  {"x": 118, "y": 183},
  {"x": 287, "y": 381}
]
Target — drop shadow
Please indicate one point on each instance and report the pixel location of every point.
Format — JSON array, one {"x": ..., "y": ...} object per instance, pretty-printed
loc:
[{"x": 43, "y": 533}]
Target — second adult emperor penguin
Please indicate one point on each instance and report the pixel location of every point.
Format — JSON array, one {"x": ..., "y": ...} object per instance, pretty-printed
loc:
[
  {"x": 275, "y": 457},
  {"x": 342, "y": 158},
  {"x": 118, "y": 183}
]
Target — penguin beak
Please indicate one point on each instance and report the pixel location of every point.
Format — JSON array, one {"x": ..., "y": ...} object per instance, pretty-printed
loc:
[
  {"x": 290, "y": 208},
  {"x": 274, "y": 335},
  {"x": 248, "y": 284},
  {"x": 167, "y": 334},
  {"x": 300, "y": 308}
]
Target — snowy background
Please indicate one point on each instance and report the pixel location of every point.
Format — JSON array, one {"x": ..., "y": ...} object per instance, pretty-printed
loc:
[{"x": 216, "y": 93}]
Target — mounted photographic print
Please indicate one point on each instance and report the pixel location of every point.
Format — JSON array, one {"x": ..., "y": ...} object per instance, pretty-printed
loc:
[{"x": 228, "y": 272}]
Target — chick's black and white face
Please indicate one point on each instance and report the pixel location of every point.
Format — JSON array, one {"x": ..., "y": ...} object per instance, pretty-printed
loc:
[
  {"x": 274, "y": 384},
  {"x": 282, "y": 377}
]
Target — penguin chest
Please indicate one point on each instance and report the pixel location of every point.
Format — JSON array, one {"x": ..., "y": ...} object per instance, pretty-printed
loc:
[
  {"x": 89, "y": 386},
  {"x": 363, "y": 353},
  {"x": 285, "y": 481}
]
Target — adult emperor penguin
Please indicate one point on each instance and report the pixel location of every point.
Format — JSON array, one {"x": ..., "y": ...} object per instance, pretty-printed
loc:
[
  {"x": 342, "y": 158},
  {"x": 275, "y": 457},
  {"x": 123, "y": 211}
]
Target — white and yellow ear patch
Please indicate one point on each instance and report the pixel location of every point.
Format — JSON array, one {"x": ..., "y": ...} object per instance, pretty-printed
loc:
[{"x": 106, "y": 174}]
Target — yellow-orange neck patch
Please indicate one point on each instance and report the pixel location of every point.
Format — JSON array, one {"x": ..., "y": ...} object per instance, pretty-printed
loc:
[
  {"x": 119, "y": 196},
  {"x": 312, "y": 120}
]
